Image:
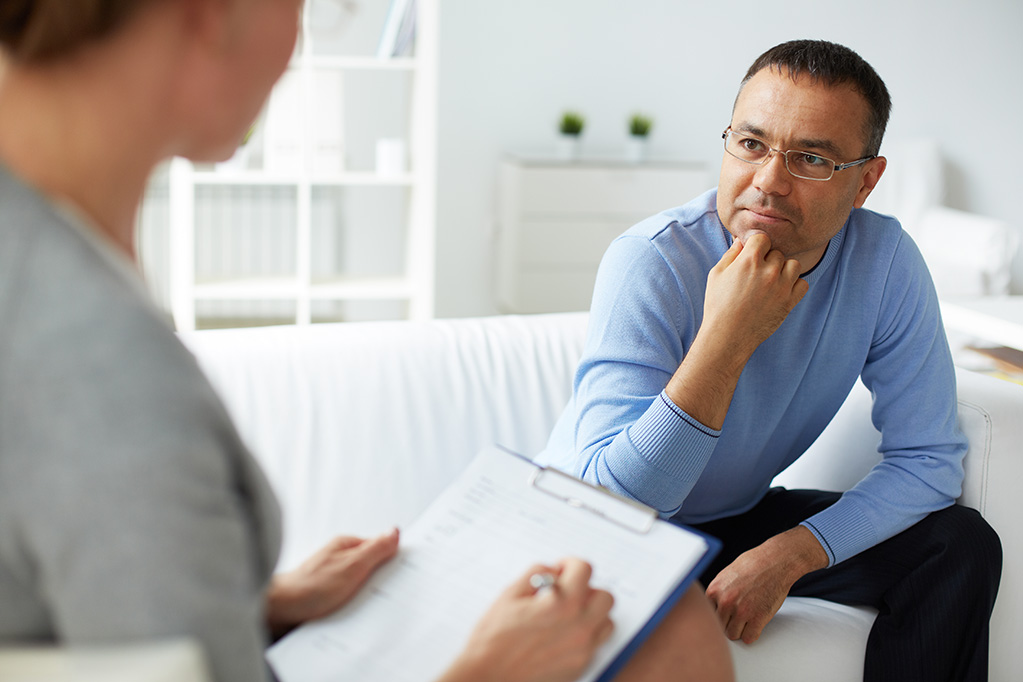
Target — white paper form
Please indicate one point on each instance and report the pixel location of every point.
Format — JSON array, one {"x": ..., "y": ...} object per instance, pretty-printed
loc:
[{"x": 414, "y": 616}]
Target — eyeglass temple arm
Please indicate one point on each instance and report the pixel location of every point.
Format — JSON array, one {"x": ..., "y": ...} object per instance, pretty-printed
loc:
[{"x": 843, "y": 166}]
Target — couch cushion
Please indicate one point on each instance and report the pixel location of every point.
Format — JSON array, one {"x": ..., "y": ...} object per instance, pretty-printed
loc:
[
  {"x": 807, "y": 636},
  {"x": 360, "y": 426}
]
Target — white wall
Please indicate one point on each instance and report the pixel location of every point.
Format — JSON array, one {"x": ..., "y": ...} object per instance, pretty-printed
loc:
[{"x": 507, "y": 70}]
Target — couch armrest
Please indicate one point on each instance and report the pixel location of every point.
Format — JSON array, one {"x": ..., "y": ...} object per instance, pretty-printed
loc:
[{"x": 991, "y": 416}]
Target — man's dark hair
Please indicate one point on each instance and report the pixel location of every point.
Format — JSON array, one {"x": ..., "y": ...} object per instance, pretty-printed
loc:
[{"x": 832, "y": 64}]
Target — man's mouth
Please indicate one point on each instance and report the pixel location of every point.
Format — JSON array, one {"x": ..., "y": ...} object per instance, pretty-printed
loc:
[{"x": 766, "y": 215}]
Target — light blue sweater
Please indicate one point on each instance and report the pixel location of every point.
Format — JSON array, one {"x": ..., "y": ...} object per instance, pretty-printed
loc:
[{"x": 871, "y": 312}]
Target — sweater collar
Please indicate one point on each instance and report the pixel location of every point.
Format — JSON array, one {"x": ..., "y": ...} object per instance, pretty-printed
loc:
[{"x": 828, "y": 259}]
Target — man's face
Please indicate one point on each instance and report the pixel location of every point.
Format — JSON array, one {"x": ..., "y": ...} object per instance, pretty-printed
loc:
[{"x": 799, "y": 216}]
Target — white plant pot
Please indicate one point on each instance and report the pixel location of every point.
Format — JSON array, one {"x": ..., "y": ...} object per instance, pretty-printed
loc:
[
  {"x": 636, "y": 149},
  {"x": 567, "y": 147}
]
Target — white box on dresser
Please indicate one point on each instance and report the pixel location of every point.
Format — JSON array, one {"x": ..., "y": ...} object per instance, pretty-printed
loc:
[{"x": 556, "y": 219}]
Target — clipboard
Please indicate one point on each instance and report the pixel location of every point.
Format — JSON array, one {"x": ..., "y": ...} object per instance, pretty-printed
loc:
[
  {"x": 629, "y": 514},
  {"x": 576, "y": 493},
  {"x": 502, "y": 515}
]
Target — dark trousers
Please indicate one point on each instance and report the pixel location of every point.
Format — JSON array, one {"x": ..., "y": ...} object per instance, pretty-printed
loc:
[{"x": 934, "y": 585}]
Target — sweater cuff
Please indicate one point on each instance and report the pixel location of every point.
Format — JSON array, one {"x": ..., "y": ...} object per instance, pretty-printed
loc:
[
  {"x": 842, "y": 529},
  {"x": 674, "y": 449}
]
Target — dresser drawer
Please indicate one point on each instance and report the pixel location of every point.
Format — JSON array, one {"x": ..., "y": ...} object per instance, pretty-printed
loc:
[
  {"x": 600, "y": 191},
  {"x": 556, "y": 220}
]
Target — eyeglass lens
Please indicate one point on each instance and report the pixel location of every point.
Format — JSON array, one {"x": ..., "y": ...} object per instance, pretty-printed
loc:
[{"x": 756, "y": 151}]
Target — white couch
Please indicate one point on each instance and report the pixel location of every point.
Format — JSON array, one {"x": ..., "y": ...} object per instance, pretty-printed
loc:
[{"x": 359, "y": 426}]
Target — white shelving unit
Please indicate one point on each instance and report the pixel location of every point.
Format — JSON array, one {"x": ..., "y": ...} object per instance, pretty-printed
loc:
[{"x": 331, "y": 240}]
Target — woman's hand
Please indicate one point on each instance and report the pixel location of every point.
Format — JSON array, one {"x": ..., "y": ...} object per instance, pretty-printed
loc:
[
  {"x": 545, "y": 636},
  {"x": 326, "y": 581}
]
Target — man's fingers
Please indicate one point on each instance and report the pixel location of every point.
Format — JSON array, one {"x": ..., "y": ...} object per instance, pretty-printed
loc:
[
  {"x": 730, "y": 255},
  {"x": 734, "y": 628},
  {"x": 738, "y": 627},
  {"x": 799, "y": 289},
  {"x": 776, "y": 259},
  {"x": 751, "y": 633},
  {"x": 792, "y": 268},
  {"x": 757, "y": 245}
]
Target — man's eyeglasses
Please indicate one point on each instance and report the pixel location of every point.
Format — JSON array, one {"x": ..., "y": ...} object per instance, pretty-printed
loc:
[{"x": 800, "y": 164}]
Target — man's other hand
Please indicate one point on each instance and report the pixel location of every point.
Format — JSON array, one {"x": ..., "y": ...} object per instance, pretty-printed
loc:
[{"x": 749, "y": 591}]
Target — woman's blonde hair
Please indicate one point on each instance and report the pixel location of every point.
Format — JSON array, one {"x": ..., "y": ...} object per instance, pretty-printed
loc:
[{"x": 36, "y": 31}]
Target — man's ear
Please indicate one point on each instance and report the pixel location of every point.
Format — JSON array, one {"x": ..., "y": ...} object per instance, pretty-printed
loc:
[{"x": 871, "y": 175}]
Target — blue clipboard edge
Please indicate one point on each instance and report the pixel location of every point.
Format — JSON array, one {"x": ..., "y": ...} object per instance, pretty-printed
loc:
[{"x": 713, "y": 547}]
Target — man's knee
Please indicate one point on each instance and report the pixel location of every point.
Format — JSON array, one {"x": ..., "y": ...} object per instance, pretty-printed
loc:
[{"x": 971, "y": 543}]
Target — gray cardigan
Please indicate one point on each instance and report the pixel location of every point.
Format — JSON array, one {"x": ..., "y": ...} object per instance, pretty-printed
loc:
[{"x": 129, "y": 507}]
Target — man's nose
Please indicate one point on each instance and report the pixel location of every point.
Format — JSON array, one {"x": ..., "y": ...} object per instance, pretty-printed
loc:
[{"x": 772, "y": 176}]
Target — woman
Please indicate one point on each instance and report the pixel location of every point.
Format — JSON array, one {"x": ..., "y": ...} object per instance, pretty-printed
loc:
[{"x": 129, "y": 508}]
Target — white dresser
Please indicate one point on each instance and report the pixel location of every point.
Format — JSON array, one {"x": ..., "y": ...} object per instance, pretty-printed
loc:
[{"x": 556, "y": 219}]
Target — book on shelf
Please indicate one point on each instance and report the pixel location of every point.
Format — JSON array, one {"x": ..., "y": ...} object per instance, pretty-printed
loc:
[
  {"x": 282, "y": 152},
  {"x": 398, "y": 37},
  {"x": 304, "y": 128},
  {"x": 325, "y": 120}
]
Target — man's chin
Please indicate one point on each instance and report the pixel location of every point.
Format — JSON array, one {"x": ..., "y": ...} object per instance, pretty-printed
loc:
[{"x": 744, "y": 233}]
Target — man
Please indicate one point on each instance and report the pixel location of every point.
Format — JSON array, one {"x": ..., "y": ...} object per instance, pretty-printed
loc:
[{"x": 726, "y": 333}]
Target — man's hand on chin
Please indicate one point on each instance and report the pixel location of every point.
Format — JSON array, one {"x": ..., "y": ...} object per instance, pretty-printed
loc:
[{"x": 749, "y": 591}]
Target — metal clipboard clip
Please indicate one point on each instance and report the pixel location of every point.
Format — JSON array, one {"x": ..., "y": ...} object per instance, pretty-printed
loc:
[{"x": 619, "y": 510}]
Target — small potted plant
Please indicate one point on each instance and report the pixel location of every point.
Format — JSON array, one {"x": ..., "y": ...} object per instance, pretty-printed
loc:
[
  {"x": 570, "y": 128},
  {"x": 639, "y": 131}
]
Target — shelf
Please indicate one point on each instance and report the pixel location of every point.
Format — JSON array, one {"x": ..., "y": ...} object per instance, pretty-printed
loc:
[
  {"x": 313, "y": 231},
  {"x": 609, "y": 160},
  {"x": 283, "y": 288},
  {"x": 356, "y": 63},
  {"x": 262, "y": 179},
  {"x": 362, "y": 288},
  {"x": 287, "y": 288}
]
